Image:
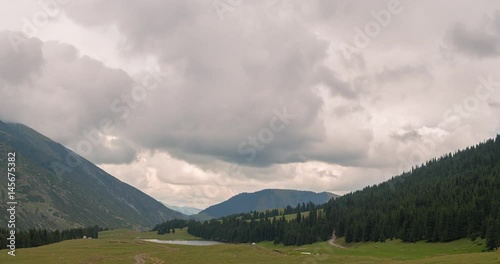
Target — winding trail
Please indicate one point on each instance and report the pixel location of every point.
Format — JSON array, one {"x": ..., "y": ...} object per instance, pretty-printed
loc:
[
  {"x": 140, "y": 258},
  {"x": 332, "y": 241}
]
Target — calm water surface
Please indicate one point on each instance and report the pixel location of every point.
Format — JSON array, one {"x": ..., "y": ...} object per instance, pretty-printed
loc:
[{"x": 185, "y": 242}]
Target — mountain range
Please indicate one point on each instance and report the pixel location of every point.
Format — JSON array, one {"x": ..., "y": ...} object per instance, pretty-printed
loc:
[
  {"x": 187, "y": 210},
  {"x": 263, "y": 200},
  {"x": 451, "y": 197},
  {"x": 56, "y": 188}
]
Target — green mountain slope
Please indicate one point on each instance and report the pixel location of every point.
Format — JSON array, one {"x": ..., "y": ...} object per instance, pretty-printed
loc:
[
  {"x": 82, "y": 195},
  {"x": 453, "y": 197},
  {"x": 263, "y": 200}
]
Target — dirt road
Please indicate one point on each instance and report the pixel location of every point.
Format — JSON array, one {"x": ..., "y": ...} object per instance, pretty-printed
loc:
[{"x": 332, "y": 241}]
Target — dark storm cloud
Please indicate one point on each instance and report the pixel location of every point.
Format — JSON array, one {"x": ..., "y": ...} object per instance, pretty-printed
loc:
[{"x": 235, "y": 75}]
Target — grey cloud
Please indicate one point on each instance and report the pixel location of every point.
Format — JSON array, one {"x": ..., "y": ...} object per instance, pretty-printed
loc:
[
  {"x": 494, "y": 104},
  {"x": 480, "y": 44},
  {"x": 402, "y": 72},
  {"x": 233, "y": 74},
  {"x": 228, "y": 78},
  {"x": 117, "y": 151},
  {"x": 75, "y": 89},
  {"x": 326, "y": 173},
  {"x": 496, "y": 20},
  {"x": 19, "y": 63},
  {"x": 337, "y": 87},
  {"x": 141, "y": 22},
  {"x": 345, "y": 110},
  {"x": 406, "y": 135},
  {"x": 355, "y": 60},
  {"x": 322, "y": 10}
]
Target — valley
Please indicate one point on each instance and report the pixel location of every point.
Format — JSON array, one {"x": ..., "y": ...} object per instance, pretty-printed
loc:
[
  {"x": 410, "y": 218},
  {"x": 127, "y": 246},
  {"x": 233, "y": 131}
]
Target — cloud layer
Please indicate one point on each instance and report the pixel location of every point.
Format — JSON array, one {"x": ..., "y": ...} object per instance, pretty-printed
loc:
[{"x": 242, "y": 95}]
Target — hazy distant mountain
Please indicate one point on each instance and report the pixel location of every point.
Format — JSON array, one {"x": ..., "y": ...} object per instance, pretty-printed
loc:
[
  {"x": 184, "y": 209},
  {"x": 262, "y": 200},
  {"x": 82, "y": 195}
]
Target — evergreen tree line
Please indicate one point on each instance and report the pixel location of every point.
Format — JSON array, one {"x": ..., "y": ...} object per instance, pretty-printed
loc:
[
  {"x": 455, "y": 196},
  {"x": 301, "y": 207},
  {"x": 39, "y": 237},
  {"x": 169, "y": 226},
  {"x": 238, "y": 229},
  {"x": 299, "y": 231}
]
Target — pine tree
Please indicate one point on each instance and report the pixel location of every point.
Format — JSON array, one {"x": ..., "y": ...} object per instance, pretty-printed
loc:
[{"x": 493, "y": 235}]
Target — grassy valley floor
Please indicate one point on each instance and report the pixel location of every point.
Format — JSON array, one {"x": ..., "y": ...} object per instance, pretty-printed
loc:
[{"x": 126, "y": 246}]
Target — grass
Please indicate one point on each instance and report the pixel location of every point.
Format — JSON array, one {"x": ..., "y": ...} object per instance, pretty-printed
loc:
[
  {"x": 398, "y": 251},
  {"x": 180, "y": 234},
  {"x": 409, "y": 251},
  {"x": 122, "y": 246}
]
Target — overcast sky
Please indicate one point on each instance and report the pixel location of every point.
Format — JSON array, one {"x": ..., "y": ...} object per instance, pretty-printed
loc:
[{"x": 195, "y": 101}]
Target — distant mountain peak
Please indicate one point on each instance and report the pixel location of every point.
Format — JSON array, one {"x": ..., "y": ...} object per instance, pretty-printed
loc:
[
  {"x": 184, "y": 209},
  {"x": 263, "y": 200}
]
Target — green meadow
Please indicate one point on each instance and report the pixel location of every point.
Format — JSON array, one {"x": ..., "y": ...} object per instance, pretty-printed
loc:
[{"x": 126, "y": 246}]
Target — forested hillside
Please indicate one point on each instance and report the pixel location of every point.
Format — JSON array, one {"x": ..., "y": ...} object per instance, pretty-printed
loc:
[
  {"x": 452, "y": 197},
  {"x": 455, "y": 196}
]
